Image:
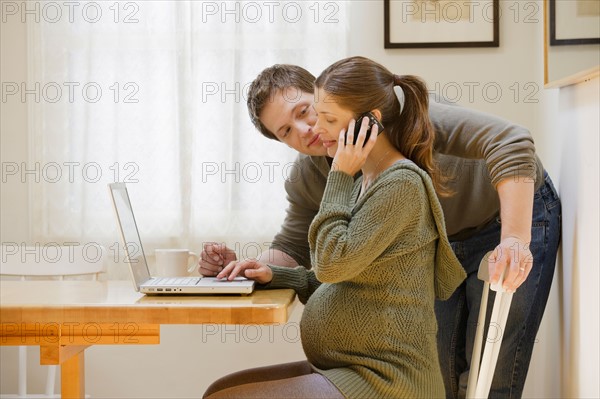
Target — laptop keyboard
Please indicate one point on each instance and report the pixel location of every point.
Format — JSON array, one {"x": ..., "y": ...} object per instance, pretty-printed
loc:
[{"x": 180, "y": 281}]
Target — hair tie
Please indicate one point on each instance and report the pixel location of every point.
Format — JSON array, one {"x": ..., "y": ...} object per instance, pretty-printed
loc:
[{"x": 400, "y": 95}]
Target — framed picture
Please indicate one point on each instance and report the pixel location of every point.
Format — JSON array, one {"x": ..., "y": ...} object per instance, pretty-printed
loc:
[
  {"x": 574, "y": 22},
  {"x": 441, "y": 23}
]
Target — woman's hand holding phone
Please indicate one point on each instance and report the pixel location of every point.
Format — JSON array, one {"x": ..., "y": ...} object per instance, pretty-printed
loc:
[{"x": 349, "y": 157}]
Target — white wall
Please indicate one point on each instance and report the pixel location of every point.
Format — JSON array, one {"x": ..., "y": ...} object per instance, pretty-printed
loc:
[
  {"x": 517, "y": 62},
  {"x": 561, "y": 122},
  {"x": 575, "y": 143}
]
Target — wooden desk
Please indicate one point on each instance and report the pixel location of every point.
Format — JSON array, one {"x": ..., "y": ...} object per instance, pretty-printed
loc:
[{"x": 66, "y": 317}]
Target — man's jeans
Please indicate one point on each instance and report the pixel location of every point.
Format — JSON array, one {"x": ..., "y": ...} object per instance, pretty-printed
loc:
[{"x": 457, "y": 317}]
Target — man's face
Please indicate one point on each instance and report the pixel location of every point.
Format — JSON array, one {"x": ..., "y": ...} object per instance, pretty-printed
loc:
[{"x": 290, "y": 115}]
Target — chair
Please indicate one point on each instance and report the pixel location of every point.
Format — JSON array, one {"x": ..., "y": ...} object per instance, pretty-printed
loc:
[
  {"x": 480, "y": 379},
  {"x": 49, "y": 261}
]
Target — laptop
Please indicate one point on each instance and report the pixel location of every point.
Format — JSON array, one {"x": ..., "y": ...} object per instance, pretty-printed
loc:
[{"x": 138, "y": 266}]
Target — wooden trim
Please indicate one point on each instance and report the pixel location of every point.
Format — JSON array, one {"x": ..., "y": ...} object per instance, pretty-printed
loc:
[
  {"x": 575, "y": 78},
  {"x": 546, "y": 76}
]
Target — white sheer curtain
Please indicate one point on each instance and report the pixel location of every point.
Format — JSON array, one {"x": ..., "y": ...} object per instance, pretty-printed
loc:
[{"x": 153, "y": 93}]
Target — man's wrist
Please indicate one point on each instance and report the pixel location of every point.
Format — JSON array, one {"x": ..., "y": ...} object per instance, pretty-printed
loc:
[{"x": 520, "y": 237}]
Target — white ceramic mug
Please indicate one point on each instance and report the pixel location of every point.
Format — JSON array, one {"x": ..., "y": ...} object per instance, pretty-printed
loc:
[{"x": 175, "y": 262}]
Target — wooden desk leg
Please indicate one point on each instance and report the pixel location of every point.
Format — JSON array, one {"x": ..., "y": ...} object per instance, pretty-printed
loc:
[{"x": 72, "y": 377}]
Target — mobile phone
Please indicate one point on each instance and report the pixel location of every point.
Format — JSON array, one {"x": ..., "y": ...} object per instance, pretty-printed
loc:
[{"x": 372, "y": 121}]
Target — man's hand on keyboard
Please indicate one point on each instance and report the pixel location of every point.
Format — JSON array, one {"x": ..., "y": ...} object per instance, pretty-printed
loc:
[{"x": 214, "y": 258}]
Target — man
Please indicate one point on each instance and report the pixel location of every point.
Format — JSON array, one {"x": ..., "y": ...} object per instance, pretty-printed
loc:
[{"x": 502, "y": 201}]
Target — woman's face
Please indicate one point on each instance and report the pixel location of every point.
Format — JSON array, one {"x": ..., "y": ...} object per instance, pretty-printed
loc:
[{"x": 331, "y": 119}]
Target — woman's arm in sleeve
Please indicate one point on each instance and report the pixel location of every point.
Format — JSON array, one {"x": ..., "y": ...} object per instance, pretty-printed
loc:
[{"x": 301, "y": 280}]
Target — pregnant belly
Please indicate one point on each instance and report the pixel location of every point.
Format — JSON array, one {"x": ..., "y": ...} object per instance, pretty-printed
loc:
[{"x": 337, "y": 326}]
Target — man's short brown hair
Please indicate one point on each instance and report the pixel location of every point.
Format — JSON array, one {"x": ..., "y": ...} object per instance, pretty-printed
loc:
[{"x": 270, "y": 81}]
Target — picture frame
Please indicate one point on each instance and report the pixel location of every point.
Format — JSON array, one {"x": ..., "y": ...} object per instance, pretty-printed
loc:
[
  {"x": 574, "y": 22},
  {"x": 441, "y": 23},
  {"x": 566, "y": 65}
]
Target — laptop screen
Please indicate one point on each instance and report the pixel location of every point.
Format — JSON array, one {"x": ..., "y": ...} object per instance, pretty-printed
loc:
[{"x": 130, "y": 234}]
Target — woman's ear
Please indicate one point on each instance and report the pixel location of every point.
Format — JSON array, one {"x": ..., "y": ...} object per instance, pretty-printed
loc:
[{"x": 377, "y": 114}]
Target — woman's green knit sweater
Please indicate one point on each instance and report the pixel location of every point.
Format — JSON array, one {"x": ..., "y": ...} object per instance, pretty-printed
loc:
[{"x": 378, "y": 264}]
